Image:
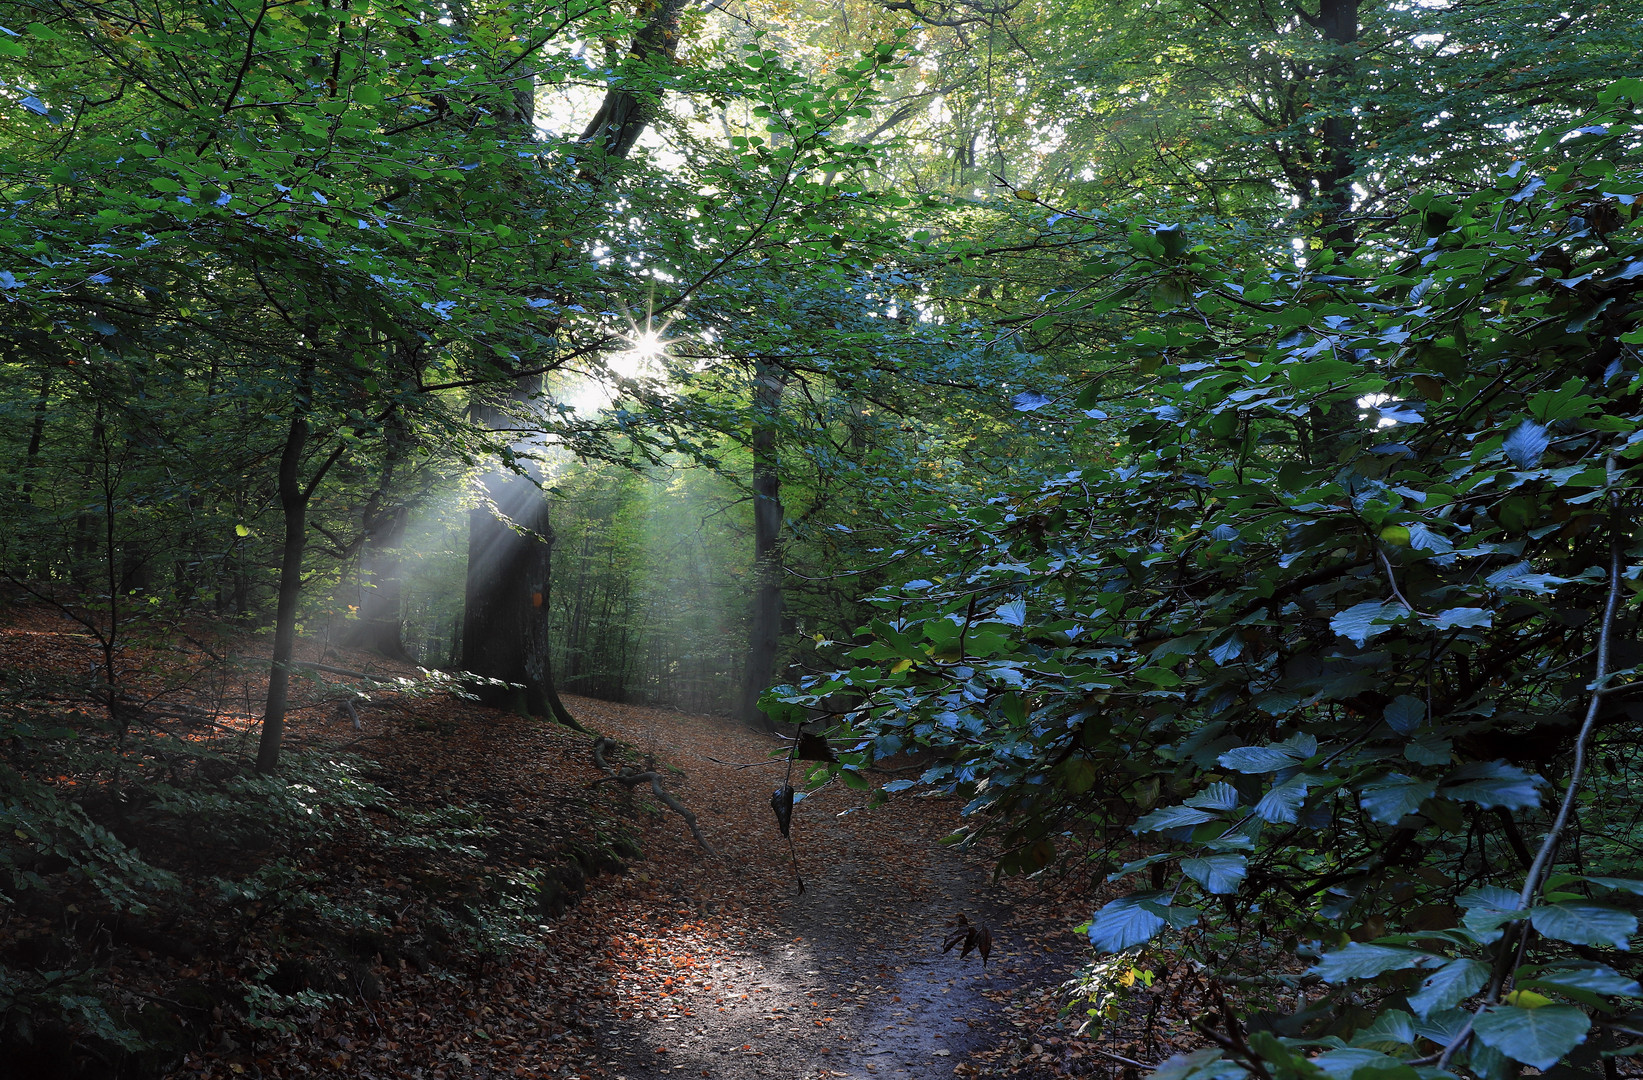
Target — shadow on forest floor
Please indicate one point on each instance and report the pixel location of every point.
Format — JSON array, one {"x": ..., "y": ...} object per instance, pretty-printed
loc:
[{"x": 446, "y": 891}]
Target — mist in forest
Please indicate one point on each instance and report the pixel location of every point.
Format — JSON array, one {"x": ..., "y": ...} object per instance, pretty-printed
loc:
[{"x": 650, "y": 566}]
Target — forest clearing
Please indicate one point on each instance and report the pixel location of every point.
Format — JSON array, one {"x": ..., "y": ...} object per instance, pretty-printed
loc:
[{"x": 740, "y": 538}]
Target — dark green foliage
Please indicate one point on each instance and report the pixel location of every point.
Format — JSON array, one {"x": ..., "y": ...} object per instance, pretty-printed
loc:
[
  {"x": 1330, "y": 603},
  {"x": 176, "y": 846}
]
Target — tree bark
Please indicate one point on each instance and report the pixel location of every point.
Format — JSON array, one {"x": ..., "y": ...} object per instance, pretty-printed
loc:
[
  {"x": 765, "y": 622},
  {"x": 1338, "y": 23},
  {"x": 506, "y": 614},
  {"x": 37, "y": 430},
  {"x": 630, "y": 105},
  {"x": 294, "y": 506},
  {"x": 294, "y": 499}
]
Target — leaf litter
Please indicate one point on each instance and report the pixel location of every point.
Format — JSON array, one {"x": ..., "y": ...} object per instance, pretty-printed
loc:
[{"x": 668, "y": 962}]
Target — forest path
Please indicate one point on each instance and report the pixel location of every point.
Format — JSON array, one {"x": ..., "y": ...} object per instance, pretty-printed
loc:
[{"x": 727, "y": 971}]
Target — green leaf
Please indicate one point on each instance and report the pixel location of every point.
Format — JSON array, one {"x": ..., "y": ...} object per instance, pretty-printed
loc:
[
  {"x": 1448, "y": 986},
  {"x": 1461, "y": 618},
  {"x": 1487, "y": 1063},
  {"x": 1493, "y": 783},
  {"x": 1444, "y": 1025},
  {"x": 1630, "y": 885},
  {"x": 1361, "y": 622},
  {"x": 1253, "y": 760},
  {"x": 1126, "y": 923},
  {"x": 1171, "y": 817},
  {"x": 1488, "y": 909},
  {"x": 1265, "y": 759},
  {"x": 1404, "y": 714},
  {"x": 1585, "y": 924},
  {"x": 1217, "y": 796},
  {"x": 1392, "y": 1030},
  {"x": 1216, "y": 873},
  {"x": 1524, "y": 446},
  {"x": 1389, "y": 799},
  {"x": 1427, "y": 748},
  {"x": 1590, "y": 978},
  {"x": 1537, "y": 1037},
  {"x": 1360, "y": 961},
  {"x": 1362, "y": 1063},
  {"x": 1207, "y": 1064},
  {"x": 1282, "y": 802}
]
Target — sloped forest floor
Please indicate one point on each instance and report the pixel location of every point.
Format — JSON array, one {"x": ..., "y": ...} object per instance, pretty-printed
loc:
[{"x": 438, "y": 890}]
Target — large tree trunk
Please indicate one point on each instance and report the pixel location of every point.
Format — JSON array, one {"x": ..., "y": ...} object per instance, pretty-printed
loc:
[
  {"x": 506, "y": 613},
  {"x": 630, "y": 105},
  {"x": 765, "y": 623}
]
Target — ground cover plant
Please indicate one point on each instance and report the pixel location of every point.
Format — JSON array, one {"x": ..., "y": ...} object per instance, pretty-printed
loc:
[{"x": 164, "y": 899}]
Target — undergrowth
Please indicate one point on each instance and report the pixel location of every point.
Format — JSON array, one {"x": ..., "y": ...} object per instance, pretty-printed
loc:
[{"x": 236, "y": 905}]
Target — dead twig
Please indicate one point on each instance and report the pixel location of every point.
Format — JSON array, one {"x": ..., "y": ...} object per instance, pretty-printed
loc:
[
  {"x": 1120, "y": 1058},
  {"x": 631, "y": 779}
]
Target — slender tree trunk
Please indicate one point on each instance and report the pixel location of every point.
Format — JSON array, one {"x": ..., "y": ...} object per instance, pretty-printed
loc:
[
  {"x": 294, "y": 506},
  {"x": 30, "y": 561},
  {"x": 765, "y": 624},
  {"x": 111, "y": 574},
  {"x": 37, "y": 429},
  {"x": 295, "y": 497}
]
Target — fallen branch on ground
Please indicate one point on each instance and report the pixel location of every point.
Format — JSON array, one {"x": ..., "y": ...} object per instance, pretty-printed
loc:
[
  {"x": 309, "y": 665},
  {"x": 631, "y": 779}
]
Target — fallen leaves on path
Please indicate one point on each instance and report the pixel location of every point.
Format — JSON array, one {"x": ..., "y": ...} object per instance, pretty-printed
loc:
[{"x": 670, "y": 962}]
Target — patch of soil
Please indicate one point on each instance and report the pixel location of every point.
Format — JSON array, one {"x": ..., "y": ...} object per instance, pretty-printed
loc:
[{"x": 847, "y": 978}]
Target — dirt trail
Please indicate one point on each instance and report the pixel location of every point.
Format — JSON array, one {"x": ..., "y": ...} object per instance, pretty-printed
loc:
[
  {"x": 846, "y": 979},
  {"x": 680, "y": 964}
]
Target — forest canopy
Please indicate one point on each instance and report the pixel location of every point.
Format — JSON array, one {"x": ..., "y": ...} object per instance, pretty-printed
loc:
[{"x": 1211, "y": 434}]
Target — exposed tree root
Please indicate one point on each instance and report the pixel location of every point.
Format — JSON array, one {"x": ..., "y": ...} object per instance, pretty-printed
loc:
[{"x": 630, "y": 779}]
